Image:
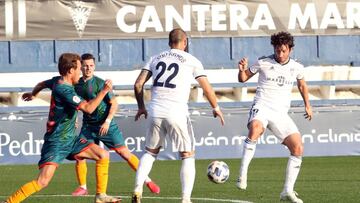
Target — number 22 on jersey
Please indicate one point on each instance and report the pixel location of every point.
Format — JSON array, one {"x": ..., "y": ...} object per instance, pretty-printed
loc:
[{"x": 164, "y": 80}]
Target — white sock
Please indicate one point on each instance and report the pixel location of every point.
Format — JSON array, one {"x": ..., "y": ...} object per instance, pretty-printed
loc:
[
  {"x": 292, "y": 172},
  {"x": 147, "y": 180},
  {"x": 187, "y": 177},
  {"x": 83, "y": 187},
  {"x": 248, "y": 154},
  {"x": 145, "y": 165}
]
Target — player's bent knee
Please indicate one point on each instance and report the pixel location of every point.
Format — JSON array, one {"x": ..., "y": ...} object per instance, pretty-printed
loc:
[
  {"x": 104, "y": 154},
  {"x": 297, "y": 150},
  {"x": 153, "y": 152},
  {"x": 300, "y": 150},
  {"x": 124, "y": 152},
  {"x": 43, "y": 182},
  {"x": 185, "y": 155},
  {"x": 256, "y": 125},
  {"x": 79, "y": 160},
  {"x": 255, "y": 131},
  {"x": 100, "y": 154}
]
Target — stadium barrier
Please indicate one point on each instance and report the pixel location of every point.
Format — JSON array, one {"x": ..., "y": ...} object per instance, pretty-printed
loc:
[
  {"x": 327, "y": 80},
  {"x": 239, "y": 90},
  {"x": 131, "y": 54},
  {"x": 334, "y": 131}
]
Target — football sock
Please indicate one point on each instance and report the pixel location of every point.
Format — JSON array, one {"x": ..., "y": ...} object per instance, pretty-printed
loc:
[
  {"x": 81, "y": 173},
  {"x": 143, "y": 171},
  {"x": 248, "y": 154},
  {"x": 133, "y": 162},
  {"x": 24, "y": 192},
  {"x": 102, "y": 169},
  {"x": 187, "y": 177},
  {"x": 292, "y": 172}
]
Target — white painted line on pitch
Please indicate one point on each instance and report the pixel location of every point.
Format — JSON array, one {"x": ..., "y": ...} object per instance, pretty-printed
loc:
[{"x": 164, "y": 198}]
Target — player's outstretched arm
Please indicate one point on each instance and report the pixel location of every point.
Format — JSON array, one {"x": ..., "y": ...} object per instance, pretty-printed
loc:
[
  {"x": 210, "y": 95},
  {"x": 28, "y": 96},
  {"x": 303, "y": 89},
  {"x": 143, "y": 77},
  {"x": 90, "y": 106},
  {"x": 244, "y": 73}
]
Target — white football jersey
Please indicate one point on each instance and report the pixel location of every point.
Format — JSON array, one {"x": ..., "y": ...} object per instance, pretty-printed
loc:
[
  {"x": 173, "y": 72},
  {"x": 275, "y": 82}
]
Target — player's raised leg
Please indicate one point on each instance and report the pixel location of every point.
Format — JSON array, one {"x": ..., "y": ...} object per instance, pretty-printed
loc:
[
  {"x": 255, "y": 131},
  {"x": 248, "y": 154}
]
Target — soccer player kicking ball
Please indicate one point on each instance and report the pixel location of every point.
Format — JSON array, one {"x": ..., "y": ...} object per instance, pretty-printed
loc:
[
  {"x": 60, "y": 140},
  {"x": 277, "y": 73},
  {"x": 172, "y": 72},
  {"x": 98, "y": 125}
]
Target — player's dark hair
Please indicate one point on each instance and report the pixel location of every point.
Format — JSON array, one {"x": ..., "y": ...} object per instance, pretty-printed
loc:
[
  {"x": 67, "y": 61},
  {"x": 175, "y": 36},
  {"x": 87, "y": 56},
  {"x": 282, "y": 38}
]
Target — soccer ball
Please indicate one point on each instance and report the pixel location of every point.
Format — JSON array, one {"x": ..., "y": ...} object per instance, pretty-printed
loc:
[{"x": 218, "y": 172}]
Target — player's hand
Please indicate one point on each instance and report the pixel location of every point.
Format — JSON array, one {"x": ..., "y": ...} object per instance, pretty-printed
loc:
[
  {"x": 308, "y": 113},
  {"x": 139, "y": 113},
  {"x": 218, "y": 113},
  {"x": 108, "y": 85},
  {"x": 104, "y": 129},
  {"x": 243, "y": 64},
  {"x": 27, "y": 96}
]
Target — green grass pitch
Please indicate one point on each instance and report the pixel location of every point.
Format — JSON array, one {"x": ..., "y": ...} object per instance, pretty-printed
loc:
[{"x": 321, "y": 179}]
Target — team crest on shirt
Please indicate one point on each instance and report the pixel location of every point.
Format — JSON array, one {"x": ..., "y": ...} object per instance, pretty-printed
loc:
[{"x": 76, "y": 99}]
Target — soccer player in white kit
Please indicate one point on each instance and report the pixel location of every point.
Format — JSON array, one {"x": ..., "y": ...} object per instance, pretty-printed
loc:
[
  {"x": 172, "y": 72},
  {"x": 277, "y": 73}
]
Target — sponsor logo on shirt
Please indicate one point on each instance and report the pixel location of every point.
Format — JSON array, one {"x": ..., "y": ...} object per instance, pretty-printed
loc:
[{"x": 280, "y": 81}]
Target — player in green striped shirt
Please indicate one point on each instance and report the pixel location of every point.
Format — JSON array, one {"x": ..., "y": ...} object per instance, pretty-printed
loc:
[
  {"x": 99, "y": 125},
  {"x": 60, "y": 140}
]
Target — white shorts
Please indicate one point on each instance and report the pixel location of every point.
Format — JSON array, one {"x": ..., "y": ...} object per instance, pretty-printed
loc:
[
  {"x": 179, "y": 130},
  {"x": 278, "y": 122}
]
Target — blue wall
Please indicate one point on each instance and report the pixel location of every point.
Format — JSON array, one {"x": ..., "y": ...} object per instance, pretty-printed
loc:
[{"x": 130, "y": 54}]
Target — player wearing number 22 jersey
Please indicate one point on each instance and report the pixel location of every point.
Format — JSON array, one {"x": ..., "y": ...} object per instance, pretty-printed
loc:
[{"x": 173, "y": 72}]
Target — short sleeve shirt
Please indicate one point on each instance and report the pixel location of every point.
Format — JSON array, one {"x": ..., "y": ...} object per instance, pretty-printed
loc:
[
  {"x": 89, "y": 90},
  {"x": 63, "y": 110},
  {"x": 276, "y": 81},
  {"x": 173, "y": 72}
]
